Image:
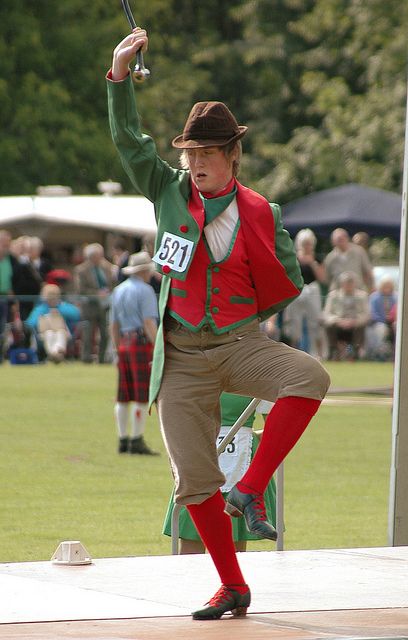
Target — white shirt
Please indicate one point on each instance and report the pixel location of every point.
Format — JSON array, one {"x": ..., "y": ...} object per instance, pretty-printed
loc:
[{"x": 219, "y": 232}]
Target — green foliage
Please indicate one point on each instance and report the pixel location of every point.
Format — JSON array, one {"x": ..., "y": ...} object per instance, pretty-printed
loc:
[
  {"x": 321, "y": 84},
  {"x": 349, "y": 113},
  {"x": 53, "y": 117}
]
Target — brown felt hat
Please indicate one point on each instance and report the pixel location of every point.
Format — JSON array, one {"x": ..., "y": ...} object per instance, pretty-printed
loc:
[{"x": 209, "y": 124}]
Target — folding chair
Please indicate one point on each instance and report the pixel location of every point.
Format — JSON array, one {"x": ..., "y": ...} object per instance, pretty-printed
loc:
[{"x": 221, "y": 447}]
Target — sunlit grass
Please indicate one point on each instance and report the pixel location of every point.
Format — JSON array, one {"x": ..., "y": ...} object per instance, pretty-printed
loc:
[{"x": 62, "y": 479}]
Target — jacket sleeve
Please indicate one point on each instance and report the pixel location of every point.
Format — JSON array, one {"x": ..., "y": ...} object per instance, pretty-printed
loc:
[
  {"x": 148, "y": 173},
  {"x": 285, "y": 251},
  {"x": 70, "y": 312},
  {"x": 32, "y": 320}
]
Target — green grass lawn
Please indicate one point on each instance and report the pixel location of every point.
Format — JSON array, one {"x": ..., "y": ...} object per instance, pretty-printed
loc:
[{"x": 62, "y": 479}]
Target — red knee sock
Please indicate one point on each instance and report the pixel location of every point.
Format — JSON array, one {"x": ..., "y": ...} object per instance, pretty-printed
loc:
[
  {"x": 215, "y": 529},
  {"x": 285, "y": 424}
]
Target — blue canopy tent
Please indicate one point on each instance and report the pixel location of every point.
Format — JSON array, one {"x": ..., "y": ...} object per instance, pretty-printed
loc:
[{"x": 352, "y": 206}]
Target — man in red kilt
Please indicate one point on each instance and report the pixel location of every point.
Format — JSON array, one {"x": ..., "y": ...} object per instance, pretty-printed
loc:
[{"x": 134, "y": 317}]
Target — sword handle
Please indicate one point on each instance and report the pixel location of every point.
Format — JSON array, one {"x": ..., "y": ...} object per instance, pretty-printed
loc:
[{"x": 140, "y": 72}]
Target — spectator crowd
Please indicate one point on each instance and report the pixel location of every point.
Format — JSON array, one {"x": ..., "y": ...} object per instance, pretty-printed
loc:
[
  {"x": 49, "y": 313},
  {"x": 63, "y": 313},
  {"x": 341, "y": 312}
]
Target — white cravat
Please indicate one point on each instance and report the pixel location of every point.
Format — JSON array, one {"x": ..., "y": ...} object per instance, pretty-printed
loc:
[{"x": 219, "y": 232}]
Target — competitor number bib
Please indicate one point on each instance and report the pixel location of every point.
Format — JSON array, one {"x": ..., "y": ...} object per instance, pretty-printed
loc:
[
  {"x": 234, "y": 461},
  {"x": 174, "y": 252}
]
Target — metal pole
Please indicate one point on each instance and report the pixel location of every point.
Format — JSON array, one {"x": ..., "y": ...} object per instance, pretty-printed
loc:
[
  {"x": 398, "y": 505},
  {"x": 237, "y": 425}
]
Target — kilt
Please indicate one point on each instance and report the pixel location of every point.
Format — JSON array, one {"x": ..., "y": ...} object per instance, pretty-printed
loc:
[{"x": 134, "y": 365}]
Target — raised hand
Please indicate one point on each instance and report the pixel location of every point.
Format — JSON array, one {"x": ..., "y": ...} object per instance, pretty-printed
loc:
[{"x": 126, "y": 50}]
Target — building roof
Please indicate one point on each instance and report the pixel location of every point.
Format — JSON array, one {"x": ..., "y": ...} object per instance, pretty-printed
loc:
[{"x": 121, "y": 214}]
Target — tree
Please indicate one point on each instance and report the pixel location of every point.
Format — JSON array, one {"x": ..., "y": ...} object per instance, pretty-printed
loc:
[
  {"x": 350, "y": 110},
  {"x": 53, "y": 117},
  {"x": 320, "y": 83}
]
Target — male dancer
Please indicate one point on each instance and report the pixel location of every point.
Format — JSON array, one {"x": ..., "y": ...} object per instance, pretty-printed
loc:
[{"x": 227, "y": 263}]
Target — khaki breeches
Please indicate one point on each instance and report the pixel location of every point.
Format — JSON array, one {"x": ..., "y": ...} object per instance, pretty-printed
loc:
[{"x": 198, "y": 368}]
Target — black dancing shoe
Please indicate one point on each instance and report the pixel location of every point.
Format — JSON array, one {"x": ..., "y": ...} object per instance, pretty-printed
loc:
[
  {"x": 252, "y": 507},
  {"x": 123, "y": 445},
  {"x": 226, "y": 599},
  {"x": 138, "y": 445}
]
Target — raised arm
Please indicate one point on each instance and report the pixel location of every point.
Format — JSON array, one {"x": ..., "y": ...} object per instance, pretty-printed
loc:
[{"x": 147, "y": 171}]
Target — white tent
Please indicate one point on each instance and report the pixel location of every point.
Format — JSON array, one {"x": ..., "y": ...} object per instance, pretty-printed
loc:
[{"x": 118, "y": 214}]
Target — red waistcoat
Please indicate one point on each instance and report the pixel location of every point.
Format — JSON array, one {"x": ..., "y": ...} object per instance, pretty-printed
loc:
[
  {"x": 220, "y": 294},
  {"x": 250, "y": 279}
]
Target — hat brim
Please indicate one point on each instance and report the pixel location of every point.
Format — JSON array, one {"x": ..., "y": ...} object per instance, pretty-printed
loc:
[
  {"x": 180, "y": 143},
  {"x": 128, "y": 271}
]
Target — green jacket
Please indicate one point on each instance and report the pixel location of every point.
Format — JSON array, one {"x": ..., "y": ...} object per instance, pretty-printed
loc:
[{"x": 169, "y": 190}]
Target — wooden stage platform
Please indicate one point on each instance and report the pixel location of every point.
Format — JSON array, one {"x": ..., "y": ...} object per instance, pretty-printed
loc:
[{"x": 328, "y": 594}]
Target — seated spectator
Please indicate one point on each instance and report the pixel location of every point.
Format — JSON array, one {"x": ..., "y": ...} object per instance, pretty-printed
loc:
[
  {"x": 380, "y": 333},
  {"x": 54, "y": 321},
  {"x": 346, "y": 315}
]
